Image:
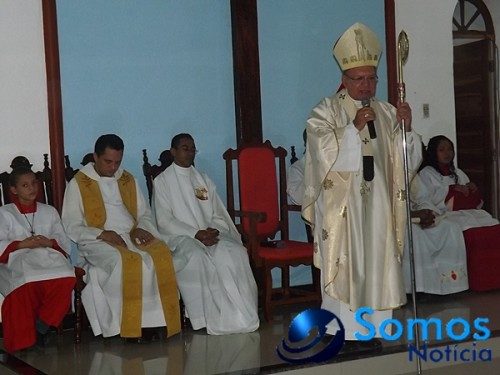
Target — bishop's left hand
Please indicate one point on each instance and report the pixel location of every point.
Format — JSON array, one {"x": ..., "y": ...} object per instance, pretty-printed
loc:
[
  {"x": 403, "y": 112},
  {"x": 141, "y": 237}
]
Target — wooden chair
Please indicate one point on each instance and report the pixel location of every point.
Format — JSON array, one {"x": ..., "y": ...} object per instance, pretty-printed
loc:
[
  {"x": 4, "y": 188},
  {"x": 69, "y": 172},
  {"x": 44, "y": 178},
  {"x": 293, "y": 159},
  {"x": 263, "y": 212},
  {"x": 151, "y": 171}
]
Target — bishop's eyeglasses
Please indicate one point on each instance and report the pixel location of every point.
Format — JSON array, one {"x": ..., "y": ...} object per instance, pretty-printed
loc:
[{"x": 371, "y": 80}]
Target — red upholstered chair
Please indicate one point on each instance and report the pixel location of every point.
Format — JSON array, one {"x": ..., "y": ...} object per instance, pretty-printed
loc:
[
  {"x": 483, "y": 257},
  {"x": 263, "y": 212}
]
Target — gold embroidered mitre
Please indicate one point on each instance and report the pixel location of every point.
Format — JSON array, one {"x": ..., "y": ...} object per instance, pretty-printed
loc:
[{"x": 358, "y": 46}]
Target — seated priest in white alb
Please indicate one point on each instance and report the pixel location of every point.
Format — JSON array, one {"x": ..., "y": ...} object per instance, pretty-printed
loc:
[
  {"x": 212, "y": 266},
  {"x": 130, "y": 275},
  {"x": 438, "y": 248}
]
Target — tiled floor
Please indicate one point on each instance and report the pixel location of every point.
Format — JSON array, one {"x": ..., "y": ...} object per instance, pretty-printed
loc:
[{"x": 198, "y": 353}]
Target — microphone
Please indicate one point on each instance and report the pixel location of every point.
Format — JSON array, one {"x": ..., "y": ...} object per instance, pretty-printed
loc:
[{"x": 371, "y": 125}]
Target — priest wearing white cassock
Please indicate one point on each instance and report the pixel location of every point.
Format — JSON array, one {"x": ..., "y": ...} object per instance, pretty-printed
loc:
[
  {"x": 131, "y": 280},
  {"x": 354, "y": 189},
  {"x": 212, "y": 266}
]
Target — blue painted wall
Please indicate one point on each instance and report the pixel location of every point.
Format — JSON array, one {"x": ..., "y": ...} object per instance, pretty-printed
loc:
[{"x": 148, "y": 70}]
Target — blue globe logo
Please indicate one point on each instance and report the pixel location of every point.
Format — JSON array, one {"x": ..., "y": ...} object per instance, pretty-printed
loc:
[{"x": 306, "y": 338}]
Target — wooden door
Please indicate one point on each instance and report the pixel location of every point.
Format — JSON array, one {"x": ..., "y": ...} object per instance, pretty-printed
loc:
[{"x": 474, "y": 113}]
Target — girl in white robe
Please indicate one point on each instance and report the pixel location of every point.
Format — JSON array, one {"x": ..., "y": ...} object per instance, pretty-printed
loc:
[
  {"x": 448, "y": 185},
  {"x": 438, "y": 249},
  {"x": 36, "y": 277}
]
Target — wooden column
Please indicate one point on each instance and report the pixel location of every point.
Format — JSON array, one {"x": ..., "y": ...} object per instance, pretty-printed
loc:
[
  {"x": 56, "y": 138},
  {"x": 391, "y": 45},
  {"x": 246, "y": 71}
]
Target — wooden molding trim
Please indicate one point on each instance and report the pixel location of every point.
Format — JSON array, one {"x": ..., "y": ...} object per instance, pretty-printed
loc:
[
  {"x": 246, "y": 72},
  {"x": 390, "y": 42},
  {"x": 56, "y": 138}
]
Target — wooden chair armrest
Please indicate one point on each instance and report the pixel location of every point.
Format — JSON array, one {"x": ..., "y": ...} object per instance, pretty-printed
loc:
[
  {"x": 293, "y": 207},
  {"x": 251, "y": 237},
  {"x": 79, "y": 273},
  {"x": 258, "y": 217}
]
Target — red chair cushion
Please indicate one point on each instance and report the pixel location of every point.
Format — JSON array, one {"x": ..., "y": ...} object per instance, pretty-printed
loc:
[
  {"x": 483, "y": 257},
  {"x": 482, "y": 238},
  {"x": 258, "y": 186},
  {"x": 290, "y": 251}
]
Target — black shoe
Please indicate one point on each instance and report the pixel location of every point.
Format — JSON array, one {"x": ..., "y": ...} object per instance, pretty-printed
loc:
[
  {"x": 151, "y": 334},
  {"x": 186, "y": 324},
  {"x": 147, "y": 335},
  {"x": 41, "y": 340},
  {"x": 163, "y": 333},
  {"x": 132, "y": 340}
]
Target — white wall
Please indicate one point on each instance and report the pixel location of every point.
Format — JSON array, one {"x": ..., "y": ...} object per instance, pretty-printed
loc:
[
  {"x": 428, "y": 74},
  {"x": 494, "y": 8},
  {"x": 23, "y": 92}
]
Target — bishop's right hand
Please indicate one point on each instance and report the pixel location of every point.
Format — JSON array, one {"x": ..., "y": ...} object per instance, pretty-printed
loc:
[{"x": 363, "y": 115}]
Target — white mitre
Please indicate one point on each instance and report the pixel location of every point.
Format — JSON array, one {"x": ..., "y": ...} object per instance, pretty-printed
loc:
[{"x": 358, "y": 46}]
